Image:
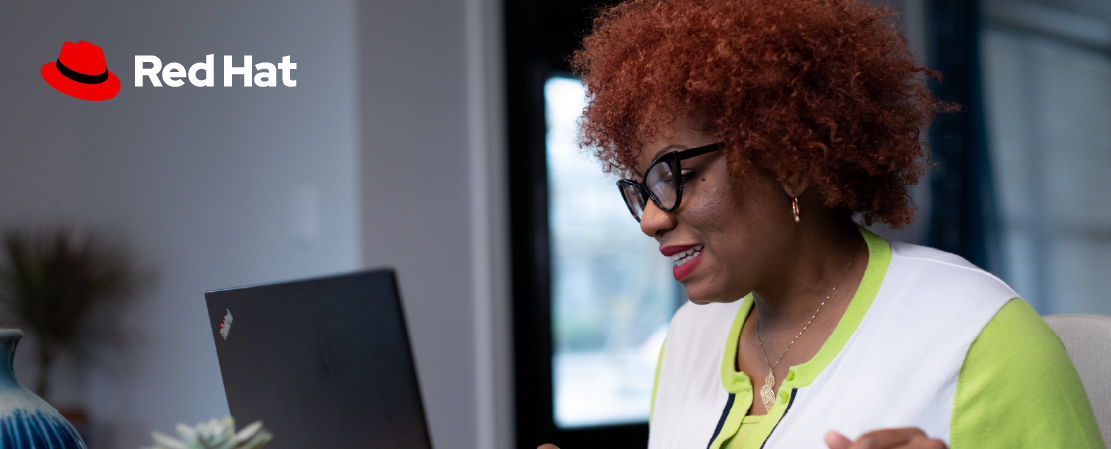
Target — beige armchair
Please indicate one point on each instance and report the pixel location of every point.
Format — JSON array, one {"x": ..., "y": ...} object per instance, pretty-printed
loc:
[{"x": 1087, "y": 339}]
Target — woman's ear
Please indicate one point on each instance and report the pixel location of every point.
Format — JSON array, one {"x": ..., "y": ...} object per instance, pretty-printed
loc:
[{"x": 794, "y": 184}]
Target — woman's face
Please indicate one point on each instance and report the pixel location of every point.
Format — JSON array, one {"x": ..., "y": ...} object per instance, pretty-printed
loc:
[{"x": 741, "y": 229}]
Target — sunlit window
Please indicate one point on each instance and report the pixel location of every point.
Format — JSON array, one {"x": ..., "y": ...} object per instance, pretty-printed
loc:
[{"x": 613, "y": 293}]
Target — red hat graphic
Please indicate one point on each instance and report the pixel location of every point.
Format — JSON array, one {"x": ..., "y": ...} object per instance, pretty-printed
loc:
[{"x": 81, "y": 72}]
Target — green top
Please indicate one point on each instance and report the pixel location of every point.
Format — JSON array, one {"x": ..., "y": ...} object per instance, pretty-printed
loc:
[
  {"x": 1016, "y": 369},
  {"x": 1004, "y": 376}
]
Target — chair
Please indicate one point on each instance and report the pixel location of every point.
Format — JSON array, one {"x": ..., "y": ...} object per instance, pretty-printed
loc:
[{"x": 1087, "y": 339}]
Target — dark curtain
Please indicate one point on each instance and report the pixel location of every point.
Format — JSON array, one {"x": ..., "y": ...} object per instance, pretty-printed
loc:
[{"x": 964, "y": 219}]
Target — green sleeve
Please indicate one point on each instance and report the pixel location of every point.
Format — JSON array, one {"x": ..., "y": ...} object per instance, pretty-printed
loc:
[
  {"x": 1019, "y": 389},
  {"x": 656, "y": 382}
]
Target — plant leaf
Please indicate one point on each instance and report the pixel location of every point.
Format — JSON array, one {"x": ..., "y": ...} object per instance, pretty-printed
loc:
[{"x": 162, "y": 440}]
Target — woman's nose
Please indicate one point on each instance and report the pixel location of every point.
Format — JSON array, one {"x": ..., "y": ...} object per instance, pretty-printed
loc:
[{"x": 654, "y": 222}]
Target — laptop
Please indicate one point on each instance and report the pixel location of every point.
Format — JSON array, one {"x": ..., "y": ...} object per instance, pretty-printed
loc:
[{"x": 323, "y": 362}]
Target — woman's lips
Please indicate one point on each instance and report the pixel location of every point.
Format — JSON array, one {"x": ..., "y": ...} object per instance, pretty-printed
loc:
[{"x": 681, "y": 271}]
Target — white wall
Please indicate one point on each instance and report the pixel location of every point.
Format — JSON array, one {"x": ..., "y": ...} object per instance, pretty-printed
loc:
[
  {"x": 39, "y": 139},
  {"x": 40, "y": 147},
  {"x": 433, "y": 202},
  {"x": 394, "y": 111}
]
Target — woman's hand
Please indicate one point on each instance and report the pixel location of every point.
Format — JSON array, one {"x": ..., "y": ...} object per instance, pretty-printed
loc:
[{"x": 904, "y": 438}]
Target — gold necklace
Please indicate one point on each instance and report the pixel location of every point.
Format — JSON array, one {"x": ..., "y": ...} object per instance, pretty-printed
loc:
[{"x": 767, "y": 394}]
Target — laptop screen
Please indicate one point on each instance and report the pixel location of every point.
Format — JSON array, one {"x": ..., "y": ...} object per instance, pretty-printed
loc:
[{"x": 322, "y": 362}]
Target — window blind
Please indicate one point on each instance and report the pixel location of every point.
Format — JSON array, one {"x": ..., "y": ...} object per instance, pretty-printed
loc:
[{"x": 1047, "y": 85}]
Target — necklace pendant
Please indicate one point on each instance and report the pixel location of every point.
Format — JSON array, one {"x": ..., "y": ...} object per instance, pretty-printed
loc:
[{"x": 767, "y": 393}]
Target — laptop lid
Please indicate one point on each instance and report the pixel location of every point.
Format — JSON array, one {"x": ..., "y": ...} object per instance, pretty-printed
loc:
[{"x": 322, "y": 362}]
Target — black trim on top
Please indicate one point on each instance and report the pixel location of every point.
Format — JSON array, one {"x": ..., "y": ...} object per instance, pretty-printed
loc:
[
  {"x": 81, "y": 77},
  {"x": 721, "y": 421},
  {"x": 794, "y": 392}
]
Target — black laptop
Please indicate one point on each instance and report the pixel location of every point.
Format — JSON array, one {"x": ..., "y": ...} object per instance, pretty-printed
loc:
[{"x": 322, "y": 362}]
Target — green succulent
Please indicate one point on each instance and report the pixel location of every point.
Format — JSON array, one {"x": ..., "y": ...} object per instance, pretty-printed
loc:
[{"x": 215, "y": 434}]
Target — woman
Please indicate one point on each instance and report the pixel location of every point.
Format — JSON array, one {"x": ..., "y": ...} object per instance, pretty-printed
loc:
[{"x": 752, "y": 133}]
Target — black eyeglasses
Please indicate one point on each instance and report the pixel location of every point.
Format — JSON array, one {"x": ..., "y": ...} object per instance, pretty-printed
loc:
[{"x": 663, "y": 182}]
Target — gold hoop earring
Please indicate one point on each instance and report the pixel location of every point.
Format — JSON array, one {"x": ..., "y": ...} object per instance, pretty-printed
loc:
[{"x": 795, "y": 208}]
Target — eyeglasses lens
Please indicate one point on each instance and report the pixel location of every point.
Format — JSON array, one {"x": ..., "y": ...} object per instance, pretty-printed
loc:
[
  {"x": 661, "y": 182},
  {"x": 633, "y": 199}
]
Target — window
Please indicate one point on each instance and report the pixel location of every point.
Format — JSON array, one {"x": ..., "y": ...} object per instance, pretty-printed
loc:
[
  {"x": 569, "y": 296},
  {"x": 1047, "y": 86},
  {"x": 612, "y": 291}
]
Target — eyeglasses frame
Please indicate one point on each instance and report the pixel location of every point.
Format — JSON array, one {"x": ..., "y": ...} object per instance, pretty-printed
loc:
[{"x": 673, "y": 159}]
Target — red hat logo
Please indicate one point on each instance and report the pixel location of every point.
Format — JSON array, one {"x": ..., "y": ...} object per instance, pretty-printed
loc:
[{"x": 81, "y": 72}]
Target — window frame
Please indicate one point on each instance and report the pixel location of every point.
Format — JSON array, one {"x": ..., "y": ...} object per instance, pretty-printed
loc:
[{"x": 539, "y": 38}]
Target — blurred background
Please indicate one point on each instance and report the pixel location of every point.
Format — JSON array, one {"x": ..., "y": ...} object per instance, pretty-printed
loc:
[{"x": 438, "y": 137}]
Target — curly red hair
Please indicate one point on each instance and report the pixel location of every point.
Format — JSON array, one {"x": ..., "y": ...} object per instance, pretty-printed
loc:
[{"x": 827, "y": 89}]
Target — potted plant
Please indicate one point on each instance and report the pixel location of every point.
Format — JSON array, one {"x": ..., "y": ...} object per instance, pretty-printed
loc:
[{"x": 64, "y": 287}]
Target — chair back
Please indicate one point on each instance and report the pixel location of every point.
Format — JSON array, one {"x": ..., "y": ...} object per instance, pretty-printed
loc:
[{"x": 1087, "y": 339}]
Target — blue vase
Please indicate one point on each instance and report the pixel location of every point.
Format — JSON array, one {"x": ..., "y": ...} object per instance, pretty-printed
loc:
[{"x": 27, "y": 421}]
